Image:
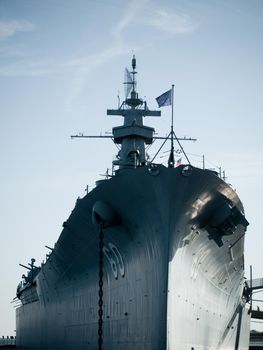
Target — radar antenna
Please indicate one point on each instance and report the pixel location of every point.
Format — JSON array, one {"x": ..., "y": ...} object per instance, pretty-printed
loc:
[{"x": 129, "y": 79}]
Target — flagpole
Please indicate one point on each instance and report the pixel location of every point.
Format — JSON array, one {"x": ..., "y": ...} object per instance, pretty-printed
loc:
[
  {"x": 167, "y": 99},
  {"x": 171, "y": 158},
  {"x": 172, "y": 126}
]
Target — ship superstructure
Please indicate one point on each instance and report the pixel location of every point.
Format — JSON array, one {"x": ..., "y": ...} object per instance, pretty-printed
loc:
[{"x": 172, "y": 276}]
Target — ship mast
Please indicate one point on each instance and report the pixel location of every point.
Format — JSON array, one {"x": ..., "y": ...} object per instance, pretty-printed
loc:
[{"x": 132, "y": 135}]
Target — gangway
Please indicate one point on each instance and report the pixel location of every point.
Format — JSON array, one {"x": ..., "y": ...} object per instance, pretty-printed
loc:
[
  {"x": 256, "y": 341},
  {"x": 257, "y": 314},
  {"x": 255, "y": 284},
  {"x": 252, "y": 286}
]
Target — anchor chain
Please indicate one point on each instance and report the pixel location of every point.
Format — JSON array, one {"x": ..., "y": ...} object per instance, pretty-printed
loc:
[{"x": 100, "y": 312}]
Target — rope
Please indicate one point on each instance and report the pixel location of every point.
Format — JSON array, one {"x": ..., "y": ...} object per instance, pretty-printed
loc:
[
  {"x": 182, "y": 148},
  {"x": 171, "y": 157},
  {"x": 100, "y": 312}
]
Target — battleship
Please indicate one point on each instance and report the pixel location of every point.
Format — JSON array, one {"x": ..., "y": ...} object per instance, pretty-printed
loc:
[{"x": 151, "y": 259}]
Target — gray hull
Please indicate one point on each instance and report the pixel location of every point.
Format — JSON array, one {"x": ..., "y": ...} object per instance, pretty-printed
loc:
[{"x": 173, "y": 269}]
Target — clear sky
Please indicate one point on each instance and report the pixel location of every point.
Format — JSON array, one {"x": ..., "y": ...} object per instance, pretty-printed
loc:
[{"x": 61, "y": 67}]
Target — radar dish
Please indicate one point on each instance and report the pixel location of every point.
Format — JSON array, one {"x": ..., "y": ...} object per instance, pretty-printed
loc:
[{"x": 128, "y": 83}]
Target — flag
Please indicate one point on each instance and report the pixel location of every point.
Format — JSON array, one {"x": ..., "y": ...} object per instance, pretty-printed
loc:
[
  {"x": 165, "y": 99},
  {"x": 179, "y": 162}
]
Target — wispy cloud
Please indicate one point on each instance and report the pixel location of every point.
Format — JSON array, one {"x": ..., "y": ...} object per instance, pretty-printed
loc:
[
  {"x": 130, "y": 16},
  {"x": 79, "y": 66},
  {"x": 118, "y": 47},
  {"x": 9, "y": 28},
  {"x": 138, "y": 14},
  {"x": 143, "y": 12},
  {"x": 170, "y": 21},
  {"x": 84, "y": 66}
]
